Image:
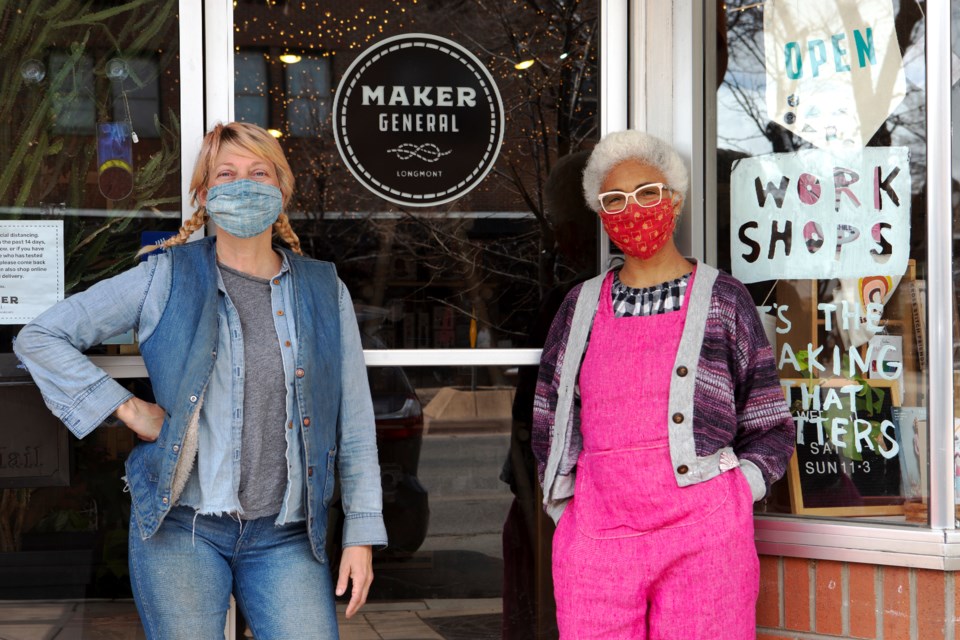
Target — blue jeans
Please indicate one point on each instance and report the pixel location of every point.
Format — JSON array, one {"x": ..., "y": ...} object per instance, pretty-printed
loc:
[{"x": 183, "y": 575}]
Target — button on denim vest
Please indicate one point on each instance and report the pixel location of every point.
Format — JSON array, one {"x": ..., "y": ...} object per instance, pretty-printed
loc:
[{"x": 179, "y": 358}]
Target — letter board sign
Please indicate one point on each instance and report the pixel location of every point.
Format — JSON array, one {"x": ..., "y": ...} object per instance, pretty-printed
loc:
[
  {"x": 847, "y": 460},
  {"x": 418, "y": 120}
]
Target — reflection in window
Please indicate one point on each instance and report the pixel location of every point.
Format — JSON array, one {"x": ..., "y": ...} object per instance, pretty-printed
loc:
[
  {"x": 250, "y": 83},
  {"x": 442, "y": 448},
  {"x": 71, "y": 83},
  {"x": 308, "y": 94},
  {"x": 135, "y": 88}
]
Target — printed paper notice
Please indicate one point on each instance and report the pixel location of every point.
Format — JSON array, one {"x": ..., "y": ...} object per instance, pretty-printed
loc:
[{"x": 31, "y": 268}]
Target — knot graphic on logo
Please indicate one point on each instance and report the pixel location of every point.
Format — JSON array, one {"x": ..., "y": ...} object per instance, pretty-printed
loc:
[{"x": 427, "y": 151}]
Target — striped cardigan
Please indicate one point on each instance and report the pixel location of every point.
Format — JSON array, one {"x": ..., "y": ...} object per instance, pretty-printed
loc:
[{"x": 726, "y": 406}]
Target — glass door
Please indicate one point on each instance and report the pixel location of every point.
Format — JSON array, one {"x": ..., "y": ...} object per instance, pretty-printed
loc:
[{"x": 439, "y": 281}]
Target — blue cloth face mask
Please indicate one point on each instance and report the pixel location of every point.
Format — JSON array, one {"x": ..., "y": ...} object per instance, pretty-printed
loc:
[{"x": 244, "y": 208}]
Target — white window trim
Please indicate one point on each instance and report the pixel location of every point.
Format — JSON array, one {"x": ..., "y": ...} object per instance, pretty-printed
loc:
[
  {"x": 191, "y": 96},
  {"x": 940, "y": 294}
]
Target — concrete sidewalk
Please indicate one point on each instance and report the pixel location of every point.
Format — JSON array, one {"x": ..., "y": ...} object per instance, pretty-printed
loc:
[
  {"x": 468, "y": 619},
  {"x": 473, "y": 619}
]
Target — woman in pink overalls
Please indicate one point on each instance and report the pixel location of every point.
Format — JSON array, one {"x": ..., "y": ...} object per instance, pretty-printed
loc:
[{"x": 658, "y": 421}]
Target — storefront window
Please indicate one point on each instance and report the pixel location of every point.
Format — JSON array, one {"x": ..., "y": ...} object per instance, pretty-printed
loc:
[
  {"x": 820, "y": 152},
  {"x": 90, "y": 139}
]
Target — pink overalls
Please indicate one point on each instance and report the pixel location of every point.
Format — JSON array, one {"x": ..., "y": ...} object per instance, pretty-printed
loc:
[{"x": 634, "y": 555}]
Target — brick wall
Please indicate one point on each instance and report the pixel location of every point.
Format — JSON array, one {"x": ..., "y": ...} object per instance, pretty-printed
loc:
[{"x": 821, "y": 599}]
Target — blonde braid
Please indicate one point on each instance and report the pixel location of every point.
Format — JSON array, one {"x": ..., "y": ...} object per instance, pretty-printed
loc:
[
  {"x": 283, "y": 229},
  {"x": 196, "y": 221}
]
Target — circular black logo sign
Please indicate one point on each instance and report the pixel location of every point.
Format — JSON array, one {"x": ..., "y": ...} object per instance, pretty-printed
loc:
[{"x": 418, "y": 120}]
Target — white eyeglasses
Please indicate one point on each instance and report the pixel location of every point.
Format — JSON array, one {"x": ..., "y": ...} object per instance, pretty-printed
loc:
[{"x": 646, "y": 195}]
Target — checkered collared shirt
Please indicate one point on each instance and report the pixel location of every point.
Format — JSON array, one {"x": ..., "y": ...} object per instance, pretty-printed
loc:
[{"x": 648, "y": 301}]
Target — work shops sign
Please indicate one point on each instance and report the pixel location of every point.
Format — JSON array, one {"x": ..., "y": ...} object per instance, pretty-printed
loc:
[
  {"x": 834, "y": 69},
  {"x": 813, "y": 214},
  {"x": 418, "y": 120}
]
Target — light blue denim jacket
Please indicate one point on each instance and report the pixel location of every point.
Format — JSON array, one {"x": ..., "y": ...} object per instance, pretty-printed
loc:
[{"x": 82, "y": 395}]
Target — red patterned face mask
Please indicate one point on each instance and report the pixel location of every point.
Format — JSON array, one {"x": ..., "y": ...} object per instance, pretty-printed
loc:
[{"x": 641, "y": 232}]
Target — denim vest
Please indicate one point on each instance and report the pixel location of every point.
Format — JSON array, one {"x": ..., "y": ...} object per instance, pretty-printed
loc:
[{"x": 179, "y": 357}]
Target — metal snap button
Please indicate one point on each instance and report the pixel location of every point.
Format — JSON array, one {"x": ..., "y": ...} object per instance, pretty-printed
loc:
[
  {"x": 280, "y": 313},
  {"x": 193, "y": 398},
  {"x": 682, "y": 371},
  {"x": 276, "y": 281},
  {"x": 678, "y": 418},
  {"x": 682, "y": 469},
  {"x": 165, "y": 500},
  {"x": 306, "y": 422},
  {"x": 301, "y": 373},
  {"x": 176, "y": 448}
]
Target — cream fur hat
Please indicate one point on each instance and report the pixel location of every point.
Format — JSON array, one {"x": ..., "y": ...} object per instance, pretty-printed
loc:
[{"x": 618, "y": 146}]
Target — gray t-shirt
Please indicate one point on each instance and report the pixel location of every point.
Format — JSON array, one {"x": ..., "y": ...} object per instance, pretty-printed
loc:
[{"x": 263, "y": 449}]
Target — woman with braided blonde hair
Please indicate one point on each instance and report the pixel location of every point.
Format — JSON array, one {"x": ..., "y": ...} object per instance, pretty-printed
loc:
[
  {"x": 238, "y": 136},
  {"x": 253, "y": 352}
]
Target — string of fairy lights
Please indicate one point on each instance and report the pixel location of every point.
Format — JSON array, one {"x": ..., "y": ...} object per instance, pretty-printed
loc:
[
  {"x": 530, "y": 51},
  {"x": 308, "y": 26}
]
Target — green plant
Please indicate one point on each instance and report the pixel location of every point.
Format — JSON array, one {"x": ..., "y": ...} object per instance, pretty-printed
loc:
[
  {"x": 44, "y": 165},
  {"x": 68, "y": 520},
  {"x": 13, "y": 508}
]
